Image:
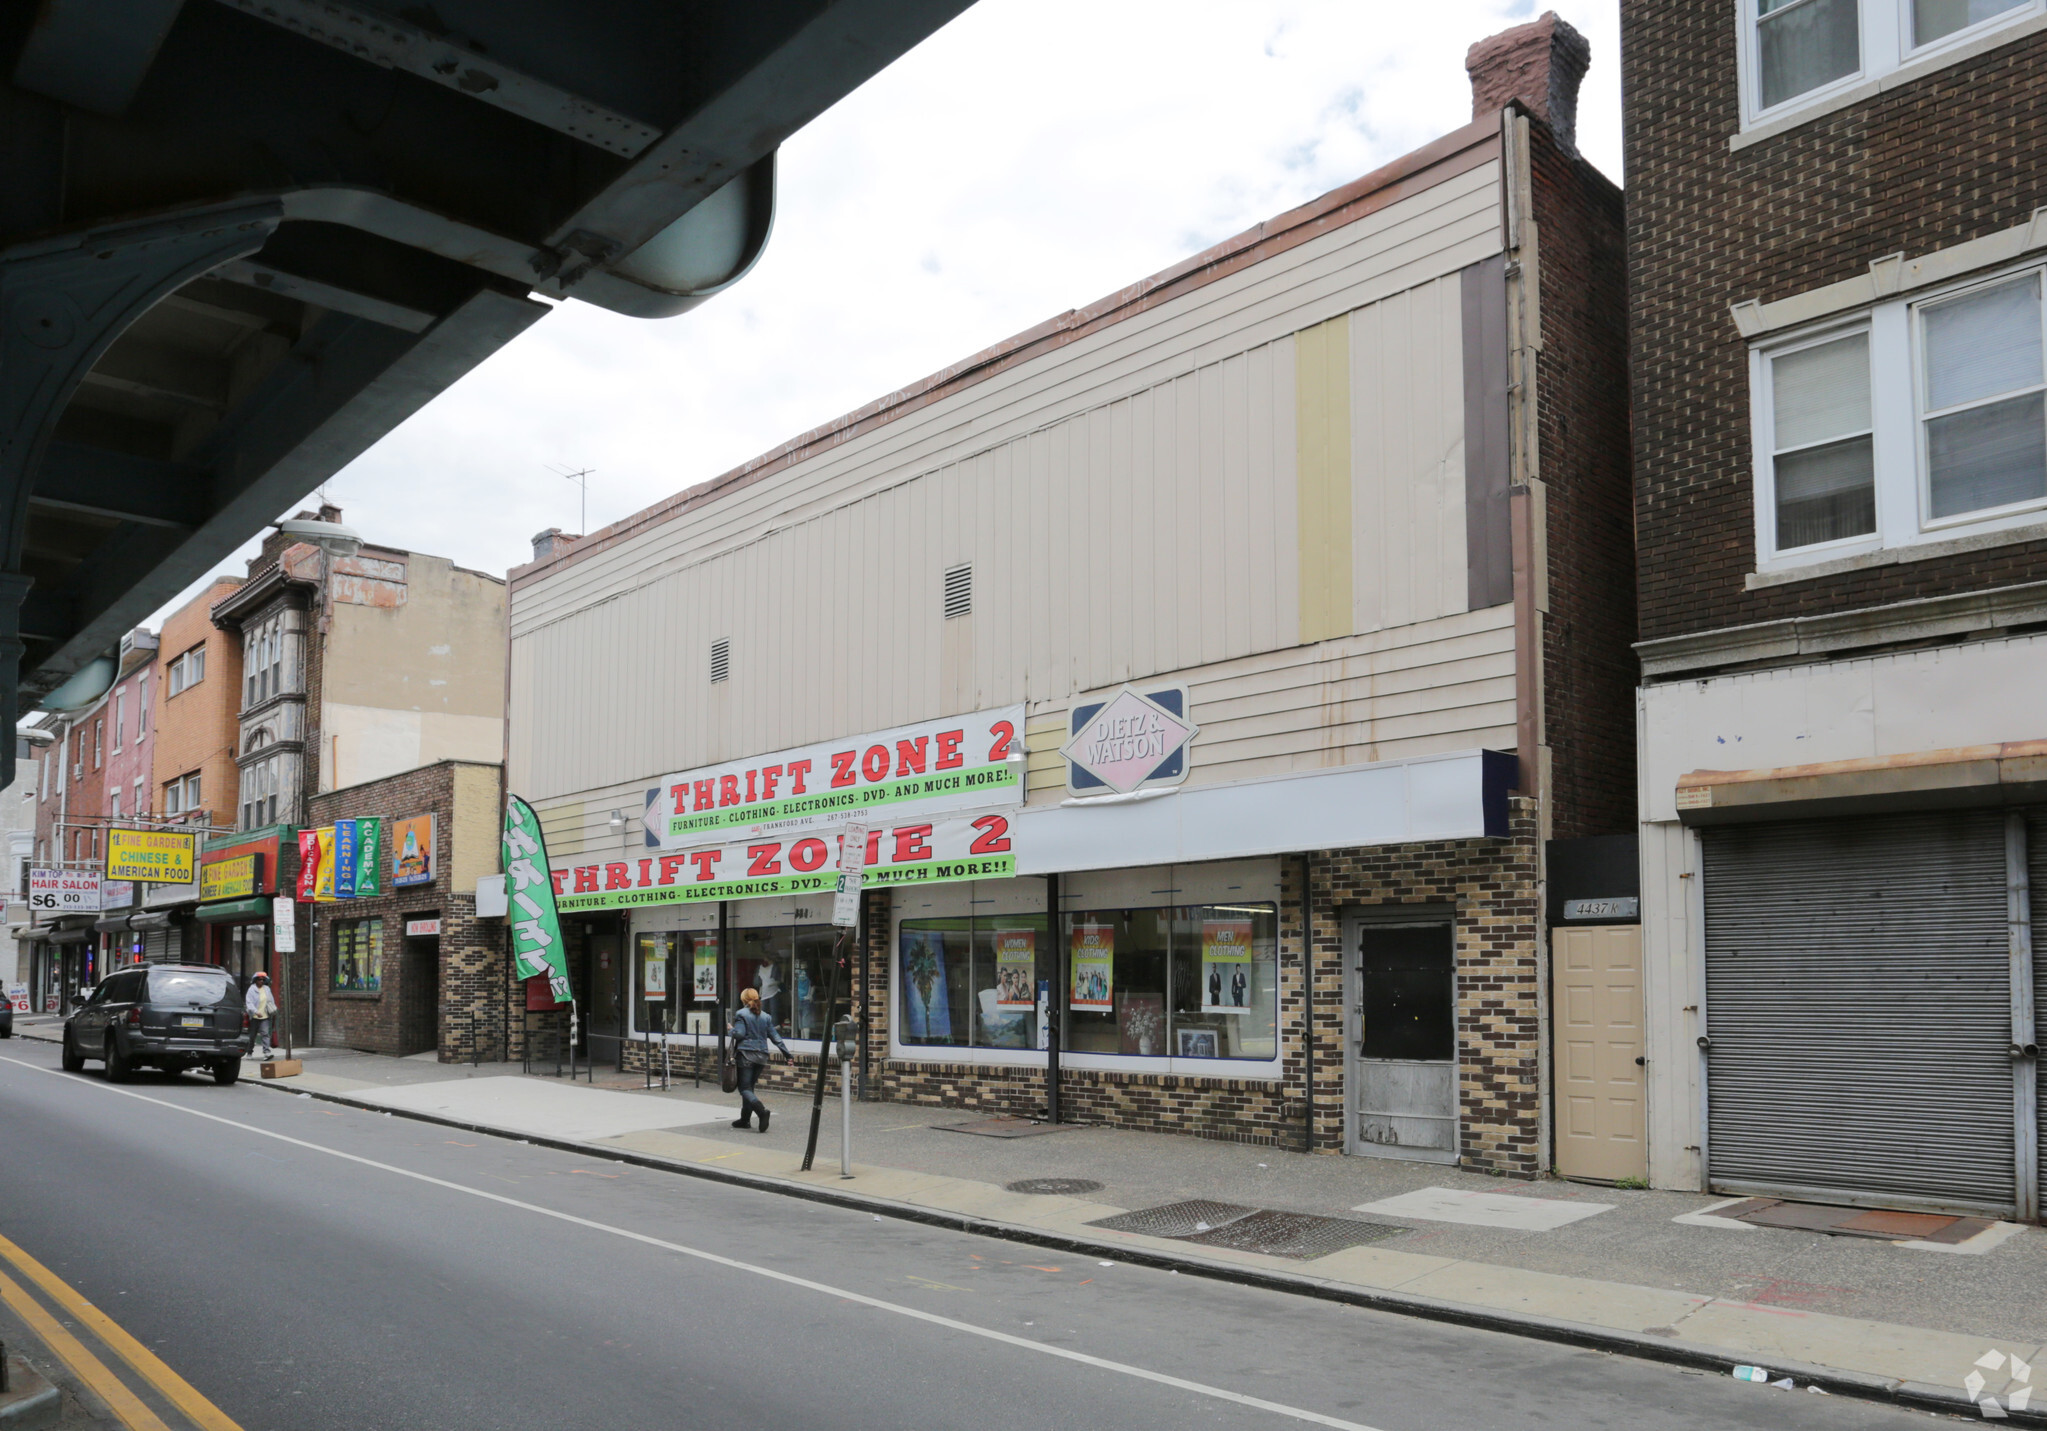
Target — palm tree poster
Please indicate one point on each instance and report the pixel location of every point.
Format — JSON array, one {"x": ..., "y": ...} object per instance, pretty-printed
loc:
[{"x": 927, "y": 1007}]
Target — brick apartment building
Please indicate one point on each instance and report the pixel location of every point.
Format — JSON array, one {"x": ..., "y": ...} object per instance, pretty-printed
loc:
[
  {"x": 1346, "y": 497},
  {"x": 352, "y": 671},
  {"x": 1836, "y": 265}
]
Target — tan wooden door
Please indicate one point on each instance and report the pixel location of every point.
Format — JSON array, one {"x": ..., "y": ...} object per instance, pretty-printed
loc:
[{"x": 1600, "y": 1125}]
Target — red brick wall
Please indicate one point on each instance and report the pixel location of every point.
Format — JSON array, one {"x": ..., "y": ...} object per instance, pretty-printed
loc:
[
  {"x": 1582, "y": 420},
  {"x": 1949, "y": 157}
]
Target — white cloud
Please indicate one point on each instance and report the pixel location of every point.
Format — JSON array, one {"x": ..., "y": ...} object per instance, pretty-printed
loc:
[{"x": 1031, "y": 157}]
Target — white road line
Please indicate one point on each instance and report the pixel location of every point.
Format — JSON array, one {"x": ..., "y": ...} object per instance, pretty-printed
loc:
[{"x": 1295, "y": 1413}]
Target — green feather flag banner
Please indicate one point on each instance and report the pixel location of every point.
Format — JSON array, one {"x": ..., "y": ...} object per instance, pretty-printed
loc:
[{"x": 529, "y": 890}]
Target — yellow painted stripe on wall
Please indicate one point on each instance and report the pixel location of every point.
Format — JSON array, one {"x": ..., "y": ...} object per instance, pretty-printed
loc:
[{"x": 1323, "y": 477}]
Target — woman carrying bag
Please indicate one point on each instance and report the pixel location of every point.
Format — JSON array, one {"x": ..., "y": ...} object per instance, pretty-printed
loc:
[{"x": 752, "y": 1032}]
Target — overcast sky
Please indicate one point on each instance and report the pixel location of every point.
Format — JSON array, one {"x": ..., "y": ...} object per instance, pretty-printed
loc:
[{"x": 1032, "y": 156}]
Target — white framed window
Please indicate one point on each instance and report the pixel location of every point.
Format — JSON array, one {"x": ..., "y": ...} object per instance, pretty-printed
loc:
[
  {"x": 1919, "y": 421},
  {"x": 120, "y": 717},
  {"x": 141, "y": 800},
  {"x": 187, "y": 670},
  {"x": 181, "y": 796},
  {"x": 142, "y": 709},
  {"x": 1800, "y": 55},
  {"x": 114, "y": 806}
]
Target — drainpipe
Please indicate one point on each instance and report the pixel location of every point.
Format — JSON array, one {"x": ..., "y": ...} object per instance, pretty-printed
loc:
[
  {"x": 1308, "y": 1001},
  {"x": 1055, "y": 1007}
]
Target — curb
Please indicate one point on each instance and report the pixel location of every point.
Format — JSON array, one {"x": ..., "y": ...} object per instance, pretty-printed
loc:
[{"x": 1919, "y": 1396}]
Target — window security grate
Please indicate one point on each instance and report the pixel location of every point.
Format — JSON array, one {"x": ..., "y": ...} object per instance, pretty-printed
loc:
[{"x": 959, "y": 590}]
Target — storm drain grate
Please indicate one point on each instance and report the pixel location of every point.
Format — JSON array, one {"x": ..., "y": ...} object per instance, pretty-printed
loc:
[
  {"x": 1053, "y": 1187},
  {"x": 1294, "y": 1234},
  {"x": 1250, "y": 1229}
]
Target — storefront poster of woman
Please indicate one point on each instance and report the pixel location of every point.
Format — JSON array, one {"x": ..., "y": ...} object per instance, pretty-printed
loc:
[
  {"x": 1093, "y": 983},
  {"x": 927, "y": 1007}
]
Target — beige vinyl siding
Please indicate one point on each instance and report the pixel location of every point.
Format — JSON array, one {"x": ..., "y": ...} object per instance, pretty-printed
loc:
[
  {"x": 1435, "y": 686},
  {"x": 1427, "y": 236},
  {"x": 1129, "y": 503}
]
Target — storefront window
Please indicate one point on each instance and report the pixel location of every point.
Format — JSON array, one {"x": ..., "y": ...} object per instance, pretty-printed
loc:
[
  {"x": 655, "y": 993},
  {"x": 791, "y": 965},
  {"x": 971, "y": 982},
  {"x": 1189, "y": 981},
  {"x": 359, "y": 955}
]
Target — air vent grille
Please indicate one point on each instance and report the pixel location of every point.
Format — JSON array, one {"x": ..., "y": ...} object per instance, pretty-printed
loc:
[
  {"x": 959, "y": 590},
  {"x": 721, "y": 659}
]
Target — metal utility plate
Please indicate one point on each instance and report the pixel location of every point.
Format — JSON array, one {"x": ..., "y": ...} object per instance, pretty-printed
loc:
[
  {"x": 1881, "y": 1223},
  {"x": 1002, "y": 1127},
  {"x": 1297, "y": 1235},
  {"x": 1053, "y": 1187}
]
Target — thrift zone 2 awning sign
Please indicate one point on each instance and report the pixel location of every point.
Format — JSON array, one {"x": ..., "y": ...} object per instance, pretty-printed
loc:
[
  {"x": 912, "y": 773},
  {"x": 792, "y": 862}
]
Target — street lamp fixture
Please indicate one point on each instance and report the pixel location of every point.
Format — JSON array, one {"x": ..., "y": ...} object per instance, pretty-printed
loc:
[{"x": 330, "y": 537}]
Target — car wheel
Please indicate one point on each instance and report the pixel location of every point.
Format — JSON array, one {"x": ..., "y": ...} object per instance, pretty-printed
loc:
[
  {"x": 72, "y": 1060},
  {"x": 227, "y": 1071},
  {"x": 119, "y": 1069}
]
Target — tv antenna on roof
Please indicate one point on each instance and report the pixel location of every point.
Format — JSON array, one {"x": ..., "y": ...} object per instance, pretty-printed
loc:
[{"x": 581, "y": 478}]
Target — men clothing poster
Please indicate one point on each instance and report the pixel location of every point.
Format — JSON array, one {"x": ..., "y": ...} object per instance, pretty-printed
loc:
[
  {"x": 705, "y": 964},
  {"x": 1225, "y": 966},
  {"x": 1093, "y": 969},
  {"x": 1016, "y": 968}
]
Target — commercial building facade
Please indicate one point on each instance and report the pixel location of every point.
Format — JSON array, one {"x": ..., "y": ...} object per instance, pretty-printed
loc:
[
  {"x": 1208, "y": 667},
  {"x": 1836, "y": 271}
]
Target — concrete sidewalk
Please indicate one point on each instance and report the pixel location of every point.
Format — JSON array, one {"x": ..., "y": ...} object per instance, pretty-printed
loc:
[{"x": 1637, "y": 1271}]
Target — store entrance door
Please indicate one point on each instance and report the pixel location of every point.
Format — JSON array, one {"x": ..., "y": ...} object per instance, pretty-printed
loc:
[
  {"x": 1600, "y": 1114},
  {"x": 1401, "y": 1040},
  {"x": 419, "y": 997}
]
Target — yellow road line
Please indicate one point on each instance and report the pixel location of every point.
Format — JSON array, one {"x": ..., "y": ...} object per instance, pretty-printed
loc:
[
  {"x": 179, "y": 1392},
  {"x": 84, "y": 1365}
]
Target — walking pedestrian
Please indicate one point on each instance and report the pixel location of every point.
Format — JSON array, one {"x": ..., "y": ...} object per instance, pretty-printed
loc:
[
  {"x": 262, "y": 1007},
  {"x": 752, "y": 1032}
]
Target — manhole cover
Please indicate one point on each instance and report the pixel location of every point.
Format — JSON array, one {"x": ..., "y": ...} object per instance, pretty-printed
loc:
[
  {"x": 1053, "y": 1187},
  {"x": 1250, "y": 1229}
]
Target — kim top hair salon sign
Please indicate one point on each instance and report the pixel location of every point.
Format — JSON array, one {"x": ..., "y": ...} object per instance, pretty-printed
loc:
[{"x": 912, "y": 773}]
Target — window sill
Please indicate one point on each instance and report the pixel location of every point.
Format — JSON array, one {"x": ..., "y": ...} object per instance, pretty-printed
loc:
[
  {"x": 357, "y": 996},
  {"x": 1908, "y": 73},
  {"x": 1253, "y": 1070},
  {"x": 1896, "y": 556}
]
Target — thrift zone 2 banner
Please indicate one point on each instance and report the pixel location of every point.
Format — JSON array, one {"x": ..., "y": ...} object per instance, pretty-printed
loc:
[
  {"x": 914, "y": 772},
  {"x": 907, "y": 852}
]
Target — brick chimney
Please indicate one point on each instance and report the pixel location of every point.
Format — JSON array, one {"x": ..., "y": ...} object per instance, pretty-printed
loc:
[
  {"x": 551, "y": 542},
  {"x": 1540, "y": 64}
]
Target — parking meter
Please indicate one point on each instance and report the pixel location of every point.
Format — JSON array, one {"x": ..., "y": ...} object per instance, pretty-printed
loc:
[{"x": 848, "y": 1044}]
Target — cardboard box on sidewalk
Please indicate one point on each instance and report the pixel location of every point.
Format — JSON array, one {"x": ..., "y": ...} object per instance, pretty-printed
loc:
[{"x": 282, "y": 1068}]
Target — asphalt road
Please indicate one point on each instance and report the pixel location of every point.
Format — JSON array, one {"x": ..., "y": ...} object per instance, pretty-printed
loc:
[{"x": 310, "y": 1267}]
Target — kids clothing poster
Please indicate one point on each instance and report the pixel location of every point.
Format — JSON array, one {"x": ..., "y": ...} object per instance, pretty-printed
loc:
[{"x": 1093, "y": 977}]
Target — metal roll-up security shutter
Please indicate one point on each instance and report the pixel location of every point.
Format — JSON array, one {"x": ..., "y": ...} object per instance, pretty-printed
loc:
[
  {"x": 155, "y": 946},
  {"x": 2036, "y": 878},
  {"x": 1858, "y": 1004}
]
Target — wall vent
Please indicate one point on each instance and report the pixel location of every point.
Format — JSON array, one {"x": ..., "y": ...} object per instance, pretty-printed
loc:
[
  {"x": 959, "y": 590},
  {"x": 721, "y": 659}
]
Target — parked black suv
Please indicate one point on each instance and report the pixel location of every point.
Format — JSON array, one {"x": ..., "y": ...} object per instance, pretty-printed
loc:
[{"x": 167, "y": 1016}]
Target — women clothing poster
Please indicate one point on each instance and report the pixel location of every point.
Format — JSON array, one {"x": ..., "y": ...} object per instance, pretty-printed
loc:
[
  {"x": 1093, "y": 965},
  {"x": 706, "y": 967},
  {"x": 1225, "y": 966},
  {"x": 1016, "y": 968}
]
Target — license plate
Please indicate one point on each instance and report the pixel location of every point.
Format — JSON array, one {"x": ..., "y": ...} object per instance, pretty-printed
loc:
[{"x": 191, "y": 1021}]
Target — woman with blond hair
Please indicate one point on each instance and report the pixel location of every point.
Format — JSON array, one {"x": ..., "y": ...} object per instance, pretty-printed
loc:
[{"x": 752, "y": 1032}]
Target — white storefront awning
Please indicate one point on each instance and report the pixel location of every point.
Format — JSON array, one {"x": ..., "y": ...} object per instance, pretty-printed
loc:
[{"x": 1459, "y": 796}]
